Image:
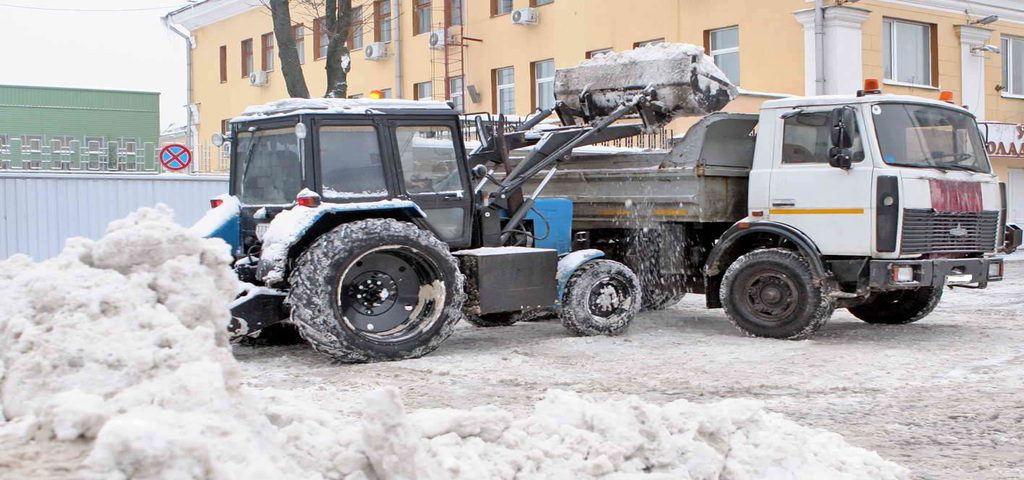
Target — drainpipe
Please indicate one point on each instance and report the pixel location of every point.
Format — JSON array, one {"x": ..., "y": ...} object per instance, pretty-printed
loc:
[
  {"x": 188, "y": 79},
  {"x": 819, "y": 47},
  {"x": 396, "y": 42}
]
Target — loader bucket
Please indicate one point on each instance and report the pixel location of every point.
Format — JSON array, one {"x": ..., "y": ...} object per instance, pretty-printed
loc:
[{"x": 684, "y": 81}]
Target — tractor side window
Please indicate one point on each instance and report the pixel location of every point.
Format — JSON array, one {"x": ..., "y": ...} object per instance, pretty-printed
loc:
[
  {"x": 350, "y": 163},
  {"x": 807, "y": 139},
  {"x": 429, "y": 160}
]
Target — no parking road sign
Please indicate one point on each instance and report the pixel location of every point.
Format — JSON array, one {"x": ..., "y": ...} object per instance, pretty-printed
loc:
[{"x": 175, "y": 157}]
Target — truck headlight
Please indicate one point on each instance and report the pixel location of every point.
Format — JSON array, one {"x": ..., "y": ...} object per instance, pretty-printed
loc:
[
  {"x": 902, "y": 273},
  {"x": 995, "y": 270}
]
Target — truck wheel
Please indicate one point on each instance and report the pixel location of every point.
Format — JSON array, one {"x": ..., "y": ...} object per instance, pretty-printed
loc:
[
  {"x": 659, "y": 296},
  {"x": 376, "y": 290},
  {"x": 898, "y": 307},
  {"x": 601, "y": 298},
  {"x": 502, "y": 319},
  {"x": 642, "y": 252},
  {"x": 771, "y": 293}
]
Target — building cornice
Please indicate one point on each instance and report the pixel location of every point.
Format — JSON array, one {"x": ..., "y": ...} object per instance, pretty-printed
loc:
[
  {"x": 209, "y": 12},
  {"x": 1008, "y": 10},
  {"x": 973, "y": 35},
  {"x": 835, "y": 16}
]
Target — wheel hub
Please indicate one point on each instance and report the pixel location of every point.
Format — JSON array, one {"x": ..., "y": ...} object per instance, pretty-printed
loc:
[
  {"x": 381, "y": 291},
  {"x": 373, "y": 293},
  {"x": 771, "y": 296},
  {"x": 607, "y": 297}
]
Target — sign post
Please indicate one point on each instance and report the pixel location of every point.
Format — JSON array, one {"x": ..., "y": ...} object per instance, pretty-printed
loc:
[{"x": 175, "y": 157}]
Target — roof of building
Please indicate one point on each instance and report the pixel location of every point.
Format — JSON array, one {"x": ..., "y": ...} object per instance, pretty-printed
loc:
[{"x": 298, "y": 106}]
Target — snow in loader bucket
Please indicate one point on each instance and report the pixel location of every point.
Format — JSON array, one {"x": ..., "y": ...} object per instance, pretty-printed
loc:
[{"x": 681, "y": 78}]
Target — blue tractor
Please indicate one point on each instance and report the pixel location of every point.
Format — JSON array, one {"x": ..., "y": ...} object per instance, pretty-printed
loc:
[{"x": 368, "y": 226}]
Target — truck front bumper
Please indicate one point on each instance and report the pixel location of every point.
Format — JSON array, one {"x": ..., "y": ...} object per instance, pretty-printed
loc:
[{"x": 908, "y": 274}]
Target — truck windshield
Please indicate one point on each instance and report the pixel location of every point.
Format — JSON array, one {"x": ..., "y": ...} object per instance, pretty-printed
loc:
[
  {"x": 929, "y": 137},
  {"x": 269, "y": 171}
]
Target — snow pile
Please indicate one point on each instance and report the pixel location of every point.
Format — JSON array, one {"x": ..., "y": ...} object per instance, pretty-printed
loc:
[
  {"x": 686, "y": 81},
  {"x": 119, "y": 345}
]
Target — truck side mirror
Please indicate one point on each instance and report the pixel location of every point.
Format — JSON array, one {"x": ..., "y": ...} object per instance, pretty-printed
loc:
[{"x": 843, "y": 123}]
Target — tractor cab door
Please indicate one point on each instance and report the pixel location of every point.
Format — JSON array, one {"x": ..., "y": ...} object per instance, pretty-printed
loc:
[{"x": 433, "y": 174}]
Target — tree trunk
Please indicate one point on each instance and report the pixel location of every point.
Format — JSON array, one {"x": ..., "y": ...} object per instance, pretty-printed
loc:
[
  {"x": 338, "y": 22},
  {"x": 294, "y": 80}
]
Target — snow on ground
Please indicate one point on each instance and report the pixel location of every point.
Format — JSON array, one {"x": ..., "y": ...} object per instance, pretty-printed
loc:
[{"x": 115, "y": 364}]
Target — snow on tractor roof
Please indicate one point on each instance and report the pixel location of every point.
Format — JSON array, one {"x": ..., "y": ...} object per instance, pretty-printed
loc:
[{"x": 360, "y": 106}]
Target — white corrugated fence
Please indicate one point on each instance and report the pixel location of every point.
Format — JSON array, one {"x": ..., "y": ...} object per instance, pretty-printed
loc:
[{"x": 41, "y": 210}]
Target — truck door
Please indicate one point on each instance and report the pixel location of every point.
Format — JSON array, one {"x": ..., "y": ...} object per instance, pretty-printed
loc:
[
  {"x": 831, "y": 205},
  {"x": 433, "y": 174}
]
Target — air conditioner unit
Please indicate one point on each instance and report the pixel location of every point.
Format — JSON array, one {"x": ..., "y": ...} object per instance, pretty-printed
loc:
[
  {"x": 258, "y": 79},
  {"x": 438, "y": 39},
  {"x": 376, "y": 51},
  {"x": 525, "y": 16}
]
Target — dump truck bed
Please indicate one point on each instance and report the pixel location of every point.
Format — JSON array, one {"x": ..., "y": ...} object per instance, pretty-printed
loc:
[{"x": 701, "y": 178}]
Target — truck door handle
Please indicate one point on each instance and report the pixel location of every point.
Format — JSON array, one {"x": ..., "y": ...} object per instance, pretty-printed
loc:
[
  {"x": 783, "y": 203},
  {"x": 452, "y": 196}
]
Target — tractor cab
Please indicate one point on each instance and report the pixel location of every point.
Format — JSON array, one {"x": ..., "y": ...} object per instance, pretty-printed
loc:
[{"x": 351, "y": 152}]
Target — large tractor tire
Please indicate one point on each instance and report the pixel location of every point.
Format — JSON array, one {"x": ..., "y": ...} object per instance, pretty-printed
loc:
[
  {"x": 600, "y": 298},
  {"x": 771, "y": 293},
  {"x": 898, "y": 307},
  {"x": 376, "y": 290}
]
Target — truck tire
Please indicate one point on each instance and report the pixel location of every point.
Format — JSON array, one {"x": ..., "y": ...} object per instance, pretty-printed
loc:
[
  {"x": 502, "y": 319},
  {"x": 661, "y": 295},
  {"x": 642, "y": 252},
  {"x": 771, "y": 293},
  {"x": 376, "y": 290},
  {"x": 898, "y": 307},
  {"x": 600, "y": 298}
]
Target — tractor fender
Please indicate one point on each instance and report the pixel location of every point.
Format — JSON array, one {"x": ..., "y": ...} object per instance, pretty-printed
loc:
[
  {"x": 719, "y": 257},
  {"x": 569, "y": 263},
  {"x": 223, "y": 222},
  {"x": 295, "y": 227}
]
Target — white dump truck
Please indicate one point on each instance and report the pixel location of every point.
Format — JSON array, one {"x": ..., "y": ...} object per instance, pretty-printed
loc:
[{"x": 870, "y": 202}]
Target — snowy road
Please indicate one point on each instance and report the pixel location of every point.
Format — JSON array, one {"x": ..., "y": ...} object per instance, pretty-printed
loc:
[{"x": 943, "y": 397}]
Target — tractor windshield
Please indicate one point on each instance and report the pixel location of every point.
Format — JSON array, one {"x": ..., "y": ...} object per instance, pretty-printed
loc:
[
  {"x": 350, "y": 163},
  {"x": 927, "y": 136},
  {"x": 269, "y": 171}
]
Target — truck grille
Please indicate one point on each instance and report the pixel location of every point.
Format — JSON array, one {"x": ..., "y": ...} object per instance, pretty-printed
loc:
[{"x": 928, "y": 231}]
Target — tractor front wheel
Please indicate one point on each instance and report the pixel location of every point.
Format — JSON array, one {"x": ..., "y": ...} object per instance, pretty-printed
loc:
[
  {"x": 600, "y": 298},
  {"x": 376, "y": 290}
]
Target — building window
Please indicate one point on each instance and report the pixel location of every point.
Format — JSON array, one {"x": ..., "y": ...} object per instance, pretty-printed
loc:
[
  {"x": 246, "y": 57},
  {"x": 504, "y": 90},
  {"x": 267, "y": 53},
  {"x": 356, "y": 96},
  {"x": 907, "y": 52},
  {"x": 647, "y": 43},
  {"x": 456, "y": 95},
  {"x": 355, "y": 34},
  {"x": 421, "y": 17},
  {"x": 1013, "y": 65},
  {"x": 544, "y": 84},
  {"x": 382, "y": 21},
  {"x": 724, "y": 46},
  {"x": 5, "y": 144},
  {"x": 299, "y": 32},
  {"x": 386, "y": 93},
  {"x": 322, "y": 37},
  {"x": 223, "y": 63},
  {"x": 32, "y": 143},
  {"x": 600, "y": 51},
  {"x": 423, "y": 91},
  {"x": 537, "y": 3},
  {"x": 225, "y": 126},
  {"x": 501, "y": 7},
  {"x": 455, "y": 12}
]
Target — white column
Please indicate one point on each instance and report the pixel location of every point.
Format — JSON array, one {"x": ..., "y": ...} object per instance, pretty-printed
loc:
[
  {"x": 843, "y": 56},
  {"x": 972, "y": 68}
]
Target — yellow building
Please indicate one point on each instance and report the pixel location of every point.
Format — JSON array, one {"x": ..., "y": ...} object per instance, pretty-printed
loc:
[{"x": 500, "y": 55}]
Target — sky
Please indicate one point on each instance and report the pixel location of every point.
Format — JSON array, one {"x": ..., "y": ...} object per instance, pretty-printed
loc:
[{"x": 120, "y": 47}]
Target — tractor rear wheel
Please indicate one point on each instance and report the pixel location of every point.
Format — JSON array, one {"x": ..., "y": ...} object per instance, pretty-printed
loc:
[
  {"x": 600, "y": 298},
  {"x": 376, "y": 290}
]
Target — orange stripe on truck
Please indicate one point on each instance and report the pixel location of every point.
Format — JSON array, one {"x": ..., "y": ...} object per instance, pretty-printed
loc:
[{"x": 816, "y": 211}]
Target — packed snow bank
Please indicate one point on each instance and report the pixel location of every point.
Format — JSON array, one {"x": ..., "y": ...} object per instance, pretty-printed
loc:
[{"x": 119, "y": 344}]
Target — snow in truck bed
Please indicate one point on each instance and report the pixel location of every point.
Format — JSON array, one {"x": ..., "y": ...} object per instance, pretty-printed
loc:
[{"x": 116, "y": 364}]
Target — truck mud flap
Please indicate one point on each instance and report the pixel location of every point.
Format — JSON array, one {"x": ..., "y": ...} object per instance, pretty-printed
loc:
[{"x": 257, "y": 309}]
